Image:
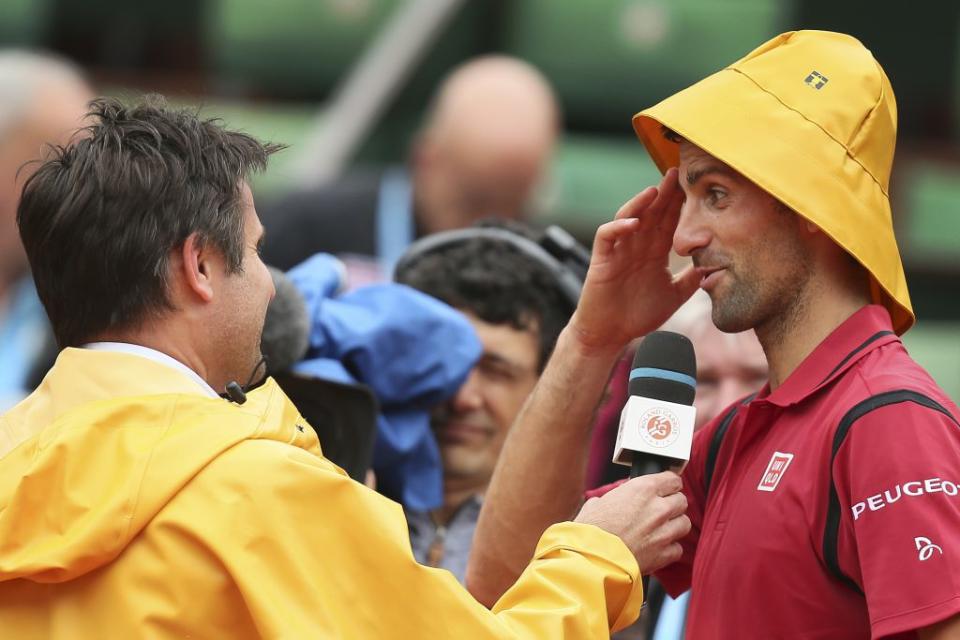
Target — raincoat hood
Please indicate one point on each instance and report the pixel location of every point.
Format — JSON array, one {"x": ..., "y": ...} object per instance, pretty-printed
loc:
[
  {"x": 810, "y": 117},
  {"x": 87, "y": 462}
]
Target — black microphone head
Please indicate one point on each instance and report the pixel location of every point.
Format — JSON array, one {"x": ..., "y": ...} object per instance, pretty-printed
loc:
[
  {"x": 664, "y": 368},
  {"x": 286, "y": 330}
]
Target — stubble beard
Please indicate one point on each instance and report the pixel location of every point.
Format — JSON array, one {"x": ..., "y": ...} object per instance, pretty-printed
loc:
[
  {"x": 771, "y": 308},
  {"x": 736, "y": 311}
]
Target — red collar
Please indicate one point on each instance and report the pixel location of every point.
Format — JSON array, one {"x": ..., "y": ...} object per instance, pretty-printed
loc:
[{"x": 867, "y": 329}]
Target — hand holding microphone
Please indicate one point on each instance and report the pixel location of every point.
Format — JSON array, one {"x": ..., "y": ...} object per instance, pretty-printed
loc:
[{"x": 647, "y": 513}]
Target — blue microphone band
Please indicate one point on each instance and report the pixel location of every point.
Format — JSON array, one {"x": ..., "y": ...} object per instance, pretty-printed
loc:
[{"x": 663, "y": 374}]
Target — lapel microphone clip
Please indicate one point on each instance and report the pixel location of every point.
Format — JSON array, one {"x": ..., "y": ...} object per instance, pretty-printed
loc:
[{"x": 237, "y": 394}]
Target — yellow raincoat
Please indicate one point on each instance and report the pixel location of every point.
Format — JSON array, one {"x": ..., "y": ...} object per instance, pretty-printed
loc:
[{"x": 134, "y": 506}]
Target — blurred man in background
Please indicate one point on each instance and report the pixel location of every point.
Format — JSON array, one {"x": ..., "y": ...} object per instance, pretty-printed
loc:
[
  {"x": 487, "y": 141},
  {"x": 42, "y": 102},
  {"x": 497, "y": 276}
]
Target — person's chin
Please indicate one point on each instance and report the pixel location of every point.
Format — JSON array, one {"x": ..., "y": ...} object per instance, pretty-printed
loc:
[{"x": 731, "y": 320}]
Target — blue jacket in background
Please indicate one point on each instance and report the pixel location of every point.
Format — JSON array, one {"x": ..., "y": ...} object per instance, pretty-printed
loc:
[{"x": 412, "y": 350}]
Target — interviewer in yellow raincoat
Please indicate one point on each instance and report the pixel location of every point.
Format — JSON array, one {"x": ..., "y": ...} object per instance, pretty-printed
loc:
[{"x": 135, "y": 502}]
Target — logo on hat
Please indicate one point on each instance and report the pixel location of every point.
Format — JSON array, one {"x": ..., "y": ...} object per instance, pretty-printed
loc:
[
  {"x": 658, "y": 427},
  {"x": 816, "y": 80}
]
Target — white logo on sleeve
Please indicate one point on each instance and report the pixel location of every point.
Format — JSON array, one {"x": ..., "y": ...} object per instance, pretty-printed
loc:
[
  {"x": 914, "y": 489},
  {"x": 775, "y": 469},
  {"x": 925, "y": 548}
]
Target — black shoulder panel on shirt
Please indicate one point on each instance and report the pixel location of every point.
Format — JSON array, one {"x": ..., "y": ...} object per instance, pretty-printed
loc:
[
  {"x": 831, "y": 530},
  {"x": 717, "y": 440}
]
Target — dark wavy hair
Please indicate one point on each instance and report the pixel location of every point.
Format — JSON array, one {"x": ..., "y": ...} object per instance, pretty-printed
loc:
[
  {"x": 497, "y": 283},
  {"x": 101, "y": 216}
]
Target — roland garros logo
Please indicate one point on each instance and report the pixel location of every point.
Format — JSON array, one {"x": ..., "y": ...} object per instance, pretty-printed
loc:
[{"x": 659, "y": 427}]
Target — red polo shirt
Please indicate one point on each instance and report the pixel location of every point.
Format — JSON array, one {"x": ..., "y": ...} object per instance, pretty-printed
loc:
[{"x": 756, "y": 558}]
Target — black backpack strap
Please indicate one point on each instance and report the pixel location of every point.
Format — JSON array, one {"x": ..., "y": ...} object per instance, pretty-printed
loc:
[
  {"x": 717, "y": 440},
  {"x": 831, "y": 531}
]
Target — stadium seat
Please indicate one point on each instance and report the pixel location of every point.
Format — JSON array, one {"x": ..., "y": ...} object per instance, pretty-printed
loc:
[
  {"x": 929, "y": 232},
  {"x": 23, "y": 22},
  {"x": 306, "y": 43},
  {"x": 591, "y": 177},
  {"x": 936, "y": 346},
  {"x": 302, "y": 48},
  {"x": 610, "y": 58}
]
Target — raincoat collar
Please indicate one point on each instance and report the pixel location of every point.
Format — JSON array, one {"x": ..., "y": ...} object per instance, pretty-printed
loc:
[{"x": 156, "y": 356}]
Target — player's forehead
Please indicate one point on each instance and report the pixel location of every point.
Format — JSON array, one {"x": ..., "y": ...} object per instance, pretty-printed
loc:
[{"x": 696, "y": 163}]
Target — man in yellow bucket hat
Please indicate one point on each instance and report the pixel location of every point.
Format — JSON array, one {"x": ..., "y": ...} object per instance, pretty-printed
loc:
[{"x": 825, "y": 506}]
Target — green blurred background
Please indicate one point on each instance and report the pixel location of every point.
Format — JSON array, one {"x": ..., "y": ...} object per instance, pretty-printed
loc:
[{"x": 270, "y": 67}]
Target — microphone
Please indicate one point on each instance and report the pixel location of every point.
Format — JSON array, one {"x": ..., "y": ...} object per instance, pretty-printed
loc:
[
  {"x": 286, "y": 328},
  {"x": 656, "y": 425}
]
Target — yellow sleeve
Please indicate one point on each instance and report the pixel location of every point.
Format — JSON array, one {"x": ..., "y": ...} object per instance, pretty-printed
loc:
[
  {"x": 578, "y": 566},
  {"x": 312, "y": 553}
]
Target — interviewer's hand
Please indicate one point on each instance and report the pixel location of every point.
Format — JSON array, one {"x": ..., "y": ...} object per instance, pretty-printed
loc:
[
  {"x": 647, "y": 513},
  {"x": 629, "y": 290}
]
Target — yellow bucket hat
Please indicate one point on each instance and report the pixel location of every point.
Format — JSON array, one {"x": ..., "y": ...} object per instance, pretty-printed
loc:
[{"x": 810, "y": 118}]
